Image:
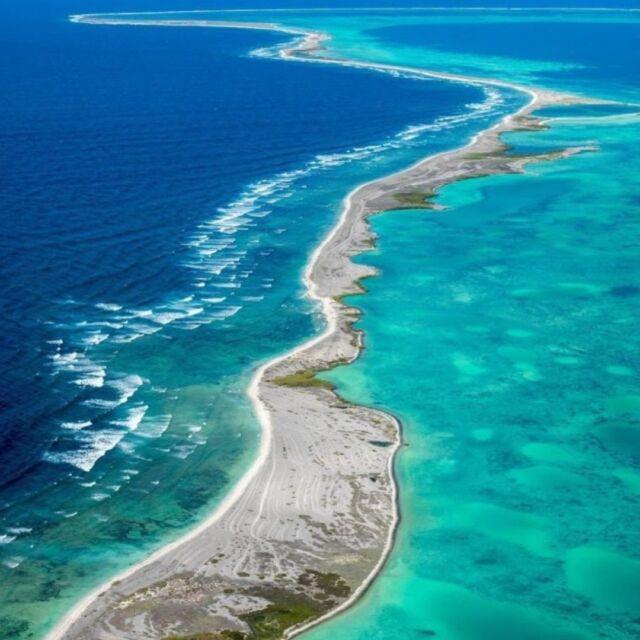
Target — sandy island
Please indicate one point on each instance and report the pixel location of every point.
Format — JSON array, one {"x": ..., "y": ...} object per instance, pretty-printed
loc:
[{"x": 309, "y": 526}]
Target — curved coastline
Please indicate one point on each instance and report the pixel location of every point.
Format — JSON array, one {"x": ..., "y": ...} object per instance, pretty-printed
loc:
[{"x": 330, "y": 274}]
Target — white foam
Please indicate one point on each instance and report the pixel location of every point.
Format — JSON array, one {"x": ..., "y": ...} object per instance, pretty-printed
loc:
[
  {"x": 132, "y": 421},
  {"x": 473, "y": 111},
  {"x": 166, "y": 317},
  {"x": 95, "y": 338},
  {"x": 108, "y": 306},
  {"x": 226, "y": 313},
  {"x": 154, "y": 426},
  {"x": 93, "y": 445},
  {"x": 62, "y": 360},
  {"x": 99, "y": 403},
  {"x": 125, "y": 386},
  {"x": 214, "y": 267},
  {"x": 76, "y": 426},
  {"x": 142, "y": 313},
  {"x": 183, "y": 451},
  {"x": 88, "y": 372},
  {"x": 5, "y": 539},
  {"x": 19, "y": 530},
  {"x": 100, "y": 323},
  {"x": 13, "y": 562},
  {"x": 94, "y": 379},
  {"x": 137, "y": 330}
]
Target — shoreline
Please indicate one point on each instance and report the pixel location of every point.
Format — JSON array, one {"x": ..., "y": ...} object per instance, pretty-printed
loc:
[{"x": 330, "y": 274}]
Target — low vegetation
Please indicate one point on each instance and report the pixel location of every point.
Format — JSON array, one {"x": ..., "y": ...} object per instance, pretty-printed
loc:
[
  {"x": 415, "y": 199},
  {"x": 329, "y": 584},
  {"x": 272, "y": 621},
  {"x": 306, "y": 378},
  {"x": 286, "y": 609}
]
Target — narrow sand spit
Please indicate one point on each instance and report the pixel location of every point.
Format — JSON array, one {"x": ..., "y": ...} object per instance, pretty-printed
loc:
[{"x": 311, "y": 523}]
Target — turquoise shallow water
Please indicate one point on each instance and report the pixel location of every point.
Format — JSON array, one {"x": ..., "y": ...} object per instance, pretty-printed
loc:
[{"x": 504, "y": 341}]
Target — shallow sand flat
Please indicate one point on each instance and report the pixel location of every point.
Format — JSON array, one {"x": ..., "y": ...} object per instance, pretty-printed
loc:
[{"x": 311, "y": 523}]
